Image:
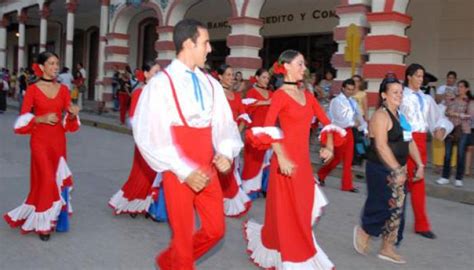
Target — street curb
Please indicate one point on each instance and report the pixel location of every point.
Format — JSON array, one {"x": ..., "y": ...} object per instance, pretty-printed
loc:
[{"x": 106, "y": 126}]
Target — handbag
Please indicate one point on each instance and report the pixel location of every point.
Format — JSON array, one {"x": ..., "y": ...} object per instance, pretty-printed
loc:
[{"x": 456, "y": 134}]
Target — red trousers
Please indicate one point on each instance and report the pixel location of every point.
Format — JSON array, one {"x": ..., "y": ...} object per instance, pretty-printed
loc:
[
  {"x": 417, "y": 189},
  {"x": 344, "y": 152},
  {"x": 180, "y": 204},
  {"x": 124, "y": 101}
]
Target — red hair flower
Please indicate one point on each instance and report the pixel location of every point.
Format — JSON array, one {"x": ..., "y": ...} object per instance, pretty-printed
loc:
[
  {"x": 215, "y": 74},
  {"x": 252, "y": 80},
  {"x": 140, "y": 75},
  {"x": 37, "y": 70},
  {"x": 279, "y": 68}
]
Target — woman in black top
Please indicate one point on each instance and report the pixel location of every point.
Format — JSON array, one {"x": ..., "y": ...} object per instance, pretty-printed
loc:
[{"x": 390, "y": 136}]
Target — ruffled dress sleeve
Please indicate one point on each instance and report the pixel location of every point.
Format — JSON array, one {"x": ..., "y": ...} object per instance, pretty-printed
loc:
[
  {"x": 70, "y": 124},
  {"x": 328, "y": 128},
  {"x": 262, "y": 137}
]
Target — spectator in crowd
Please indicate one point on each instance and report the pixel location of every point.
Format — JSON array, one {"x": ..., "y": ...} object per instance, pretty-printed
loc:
[
  {"x": 79, "y": 82},
  {"x": 459, "y": 114},
  {"x": 66, "y": 78},
  {"x": 22, "y": 85},
  {"x": 82, "y": 70},
  {"x": 124, "y": 94},
  {"x": 3, "y": 94},
  {"x": 13, "y": 81},
  {"x": 360, "y": 96},
  {"x": 470, "y": 147},
  {"x": 115, "y": 87},
  {"x": 451, "y": 78},
  {"x": 327, "y": 84},
  {"x": 239, "y": 83}
]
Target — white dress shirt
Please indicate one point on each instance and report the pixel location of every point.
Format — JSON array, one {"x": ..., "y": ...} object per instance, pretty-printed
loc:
[
  {"x": 156, "y": 113},
  {"x": 344, "y": 112},
  {"x": 423, "y": 114}
]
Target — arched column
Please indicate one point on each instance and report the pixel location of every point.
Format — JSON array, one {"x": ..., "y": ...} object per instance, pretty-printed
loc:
[
  {"x": 22, "y": 17},
  {"x": 245, "y": 40},
  {"x": 44, "y": 14},
  {"x": 349, "y": 12},
  {"x": 71, "y": 7},
  {"x": 116, "y": 43},
  {"x": 3, "y": 41},
  {"x": 172, "y": 14},
  {"x": 387, "y": 45},
  {"x": 104, "y": 23}
]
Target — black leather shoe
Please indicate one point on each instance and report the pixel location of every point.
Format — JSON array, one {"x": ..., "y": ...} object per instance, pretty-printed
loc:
[
  {"x": 354, "y": 190},
  {"x": 427, "y": 234},
  {"x": 44, "y": 237}
]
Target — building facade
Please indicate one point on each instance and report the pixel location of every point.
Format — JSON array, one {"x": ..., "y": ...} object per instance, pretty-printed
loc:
[{"x": 247, "y": 34}]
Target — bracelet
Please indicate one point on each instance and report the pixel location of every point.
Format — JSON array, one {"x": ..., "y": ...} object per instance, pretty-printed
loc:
[{"x": 400, "y": 171}]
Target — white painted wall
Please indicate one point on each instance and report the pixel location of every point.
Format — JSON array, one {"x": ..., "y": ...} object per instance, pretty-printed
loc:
[{"x": 442, "y": 37}]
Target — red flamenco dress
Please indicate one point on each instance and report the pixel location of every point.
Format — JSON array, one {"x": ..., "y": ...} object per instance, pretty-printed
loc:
[
  {"x": 47, "y": 206},
  {"x": 141, "y": 193},
  {"x": 236, "y": 201},
  {"x": 256, "y": 161},
  {"x": 286, "y": 240}
]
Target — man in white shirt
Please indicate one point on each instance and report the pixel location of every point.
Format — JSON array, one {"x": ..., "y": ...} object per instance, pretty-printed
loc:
[
  {"x": 450, "y": 85},
  {"x": 423, "y": 115},
  {"x": 344, "y": 113},
  {"x": 65, "y": 77},
  {"x": 183, "y": 127}
]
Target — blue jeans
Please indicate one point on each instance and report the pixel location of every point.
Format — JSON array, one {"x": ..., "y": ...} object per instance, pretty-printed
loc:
[{"x": 460, "y": 166}]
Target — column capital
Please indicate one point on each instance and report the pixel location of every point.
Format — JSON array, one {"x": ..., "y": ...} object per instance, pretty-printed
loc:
[
  {"x": 71, "y": 7},
  {"x": 22, "y": 17}
]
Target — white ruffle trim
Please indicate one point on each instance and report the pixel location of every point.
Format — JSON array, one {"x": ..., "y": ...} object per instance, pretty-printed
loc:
[
  {"x": 255, "y": 183},
  {"x": 274, "y": 132},
  {"x": 123, "y": 205},
  {"x": 44, "y": 221},
  {"x": 245, "y": 117},
  {"x": 65, "y": 119},
  {"x": 249, "y": 101},
  {"x": 268, "y": 258},
  {"x": 332, "y": 127},
  {"x": 37, "y": 221},
  {"x": 23, "y": 120},
  {"x": 236, "y": 205}
]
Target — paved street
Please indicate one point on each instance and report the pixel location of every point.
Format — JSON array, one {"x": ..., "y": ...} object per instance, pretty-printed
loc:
[{"x": 100, "y": 161}]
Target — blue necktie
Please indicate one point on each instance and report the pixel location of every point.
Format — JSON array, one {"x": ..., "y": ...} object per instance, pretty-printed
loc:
[
  {"x": 197, "y": 89},
  {"x": 351, "y": 102},
  {"x": 420, "y": 100}
]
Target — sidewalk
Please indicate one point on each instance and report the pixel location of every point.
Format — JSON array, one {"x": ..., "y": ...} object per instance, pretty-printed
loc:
[{"x": 109, "y": 121}]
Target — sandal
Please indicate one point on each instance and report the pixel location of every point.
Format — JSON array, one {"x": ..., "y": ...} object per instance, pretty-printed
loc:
[
  {"x": 395, "y": 258},
  {"x": 359, "y": 246}
]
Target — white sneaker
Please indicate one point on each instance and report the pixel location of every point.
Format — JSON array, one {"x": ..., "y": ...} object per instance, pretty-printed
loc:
[
  {"x": 458, "y": 183},
  {"x": 442, "y": 181}
]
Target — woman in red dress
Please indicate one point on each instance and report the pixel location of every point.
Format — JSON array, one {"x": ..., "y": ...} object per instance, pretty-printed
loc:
[
  {"x": 141, "y": 190},
  {"x": 256, "y": 161},
  {"x": 294, "y": 201},
  {"x": 47, "y": 206},
  {"x": 236, "y": 202}
]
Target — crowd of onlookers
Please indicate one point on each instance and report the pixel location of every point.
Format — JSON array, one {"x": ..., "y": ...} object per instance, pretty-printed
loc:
[{"x": 14, "y": 85}]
